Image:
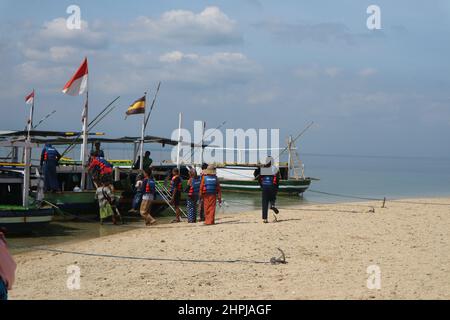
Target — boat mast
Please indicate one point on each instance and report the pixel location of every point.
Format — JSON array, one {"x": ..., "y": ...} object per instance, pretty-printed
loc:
[
  {"x": 84, "y": 146},
  {"x": 141, "y": 153},
  {"x": 26, "y": 173},
  {"x": 289, "y": 156},
  {"x": 180, "y": 116},
  {"x": 201, "y": 143}
]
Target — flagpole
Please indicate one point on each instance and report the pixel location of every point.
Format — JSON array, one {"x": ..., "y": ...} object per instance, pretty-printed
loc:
[
  {"x": 30, "y": 121},
  {"x": 26, "y": 172},
  {"x": 85, "y": 140},
  {"x": 141, "y": 163},
  {"x": 179, "y": 139}
]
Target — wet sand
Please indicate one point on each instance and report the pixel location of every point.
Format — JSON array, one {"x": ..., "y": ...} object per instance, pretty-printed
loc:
[{"x": 328, "y": 250}]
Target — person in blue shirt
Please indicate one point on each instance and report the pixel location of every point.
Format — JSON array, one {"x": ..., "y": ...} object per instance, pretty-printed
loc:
[
  {"x": 148, "y": 190},
  {"x": 49, "y": 161},
  {"x": 269, "y": 179}
]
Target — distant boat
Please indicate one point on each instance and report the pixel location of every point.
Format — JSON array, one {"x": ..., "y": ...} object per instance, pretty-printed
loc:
[{"x": 240, "y": 178}]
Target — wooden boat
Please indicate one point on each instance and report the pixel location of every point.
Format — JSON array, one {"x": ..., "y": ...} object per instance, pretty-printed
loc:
[
  {"x": 15, "y": 217},
  {"x": 240, "y": 178}
]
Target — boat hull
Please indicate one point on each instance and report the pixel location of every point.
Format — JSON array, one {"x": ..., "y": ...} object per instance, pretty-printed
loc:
[
  {"x": 289, "y": 187},
  {"x": 84, "y": 203},
  {"x": 25, "y": 219}
]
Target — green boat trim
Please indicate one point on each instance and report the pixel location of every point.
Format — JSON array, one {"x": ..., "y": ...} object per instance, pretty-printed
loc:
[{"x": 286, "y": 186}]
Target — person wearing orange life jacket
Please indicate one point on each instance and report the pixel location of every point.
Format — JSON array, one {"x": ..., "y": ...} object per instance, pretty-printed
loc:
[
  {"x": 100, "y": 169},
  {"x": 49, "y": 161},
  {"x": 193, "y": 189},
  {"x": 175, "y": 192},
  {"x": 269, "y": 178},
  {"x": 148, "y": 190},
  {"x": 210, "y": 191},
  {"x": 202, "y": 209}
]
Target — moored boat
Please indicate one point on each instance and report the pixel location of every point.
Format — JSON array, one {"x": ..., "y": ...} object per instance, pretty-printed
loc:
[
  {"x": 240, "y": 178},
  {"x": 13, "y": 215}
]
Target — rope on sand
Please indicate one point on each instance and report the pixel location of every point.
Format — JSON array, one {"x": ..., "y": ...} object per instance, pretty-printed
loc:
[
  {"x": 102, "y": 255},
  {"x": 346, "y": 195}
]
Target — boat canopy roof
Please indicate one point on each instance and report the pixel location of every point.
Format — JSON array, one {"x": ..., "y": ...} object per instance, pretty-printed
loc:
[
  {"x": 43, "y": 133},
  {"x": 73, "y": 137}
]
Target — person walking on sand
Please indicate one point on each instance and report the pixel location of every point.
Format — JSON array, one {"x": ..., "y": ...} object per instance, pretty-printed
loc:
[
  {"x": 201, "y": 207},
  {"x": 193, "y": 188},
  {"x": 269, "y": 177},
  {"x": 7, "y": 269},
  {"x": 148, "y": 190},
  {"x": 105, "y": 197},
  {"x": 210, "y": 191},
  {"x": 137, "y": 199},
  {"x": 175, "y": 192}
]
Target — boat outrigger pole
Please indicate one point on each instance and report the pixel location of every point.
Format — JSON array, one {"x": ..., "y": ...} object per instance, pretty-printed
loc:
[{"x": 91, "y": 125}]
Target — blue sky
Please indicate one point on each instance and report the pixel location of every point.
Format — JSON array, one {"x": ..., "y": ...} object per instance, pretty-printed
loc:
[{"x": 253, "y": 63}]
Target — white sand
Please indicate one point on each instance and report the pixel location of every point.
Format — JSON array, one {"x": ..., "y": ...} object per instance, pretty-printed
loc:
[{"x": 328, "y": 248}]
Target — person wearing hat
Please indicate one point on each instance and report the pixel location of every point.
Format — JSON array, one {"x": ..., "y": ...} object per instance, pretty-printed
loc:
[
  {"x": 209, "y": 192},
  {"x": 269, "y": 178}
]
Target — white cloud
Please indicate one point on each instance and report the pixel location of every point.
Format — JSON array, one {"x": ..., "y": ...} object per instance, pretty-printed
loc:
[
  {"x": 56, "y": 31},
  {"x": 262, "y": 97},
  {"x": 315, "y": 71},
  {"x": 209, "y": 27},
  {"x": 332, "y": 72},
  {"x": 367, "y": 72},
  {"x": 207, "y": 69}
]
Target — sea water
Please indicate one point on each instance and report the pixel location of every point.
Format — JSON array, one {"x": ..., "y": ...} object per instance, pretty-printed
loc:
[{"x": 345, "y": 176}]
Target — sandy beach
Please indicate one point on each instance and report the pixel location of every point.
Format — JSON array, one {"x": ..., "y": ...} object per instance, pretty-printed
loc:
[{"x": 328, "y": 249}]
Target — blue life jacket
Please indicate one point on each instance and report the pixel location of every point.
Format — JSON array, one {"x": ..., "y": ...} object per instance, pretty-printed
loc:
[
  {"x": 177, "y": 187},
  {"x": 149, "y": 186},
  {"x": 267, "y": 181},
  {"x": 210, "y": 184},
  {"x": 50, "y": 154},
  {"x": 104, "y": 162},
  {"x": 195, "y": 186}
]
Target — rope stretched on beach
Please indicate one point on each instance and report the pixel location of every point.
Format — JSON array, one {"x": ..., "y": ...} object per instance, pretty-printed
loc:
[
  {"x": 102, "y": 255},
  {"x": 346, "y": 195}
]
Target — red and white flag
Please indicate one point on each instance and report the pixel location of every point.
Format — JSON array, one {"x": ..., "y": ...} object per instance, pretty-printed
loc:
[
  {"x": 78, "y": 84},
  {"x": 29, "y": 98}
]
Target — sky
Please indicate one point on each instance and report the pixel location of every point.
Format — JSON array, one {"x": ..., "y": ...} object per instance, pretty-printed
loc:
[{"x": 251, "y": 63}]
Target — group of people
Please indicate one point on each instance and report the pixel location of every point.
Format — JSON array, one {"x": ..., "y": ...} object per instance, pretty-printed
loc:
[
  {"x": 98, "y": 166},
  {"x": 202, "y": 192}
]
